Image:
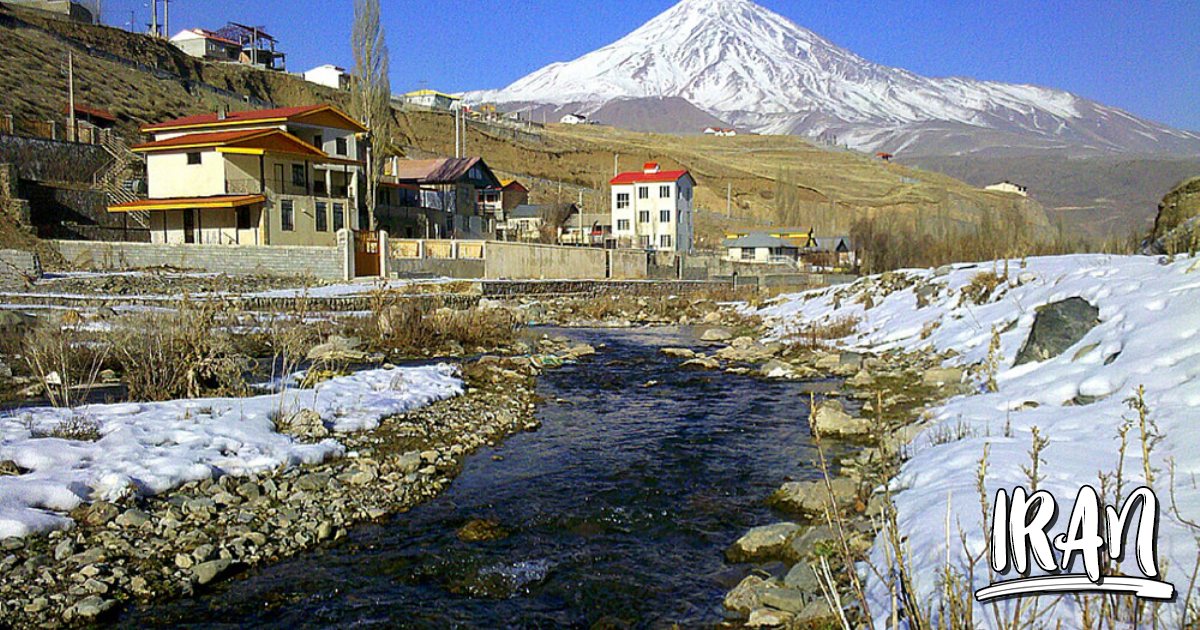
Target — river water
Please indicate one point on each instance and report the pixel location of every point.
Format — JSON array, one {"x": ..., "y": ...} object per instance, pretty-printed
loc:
[{"x": 618, "y": 510}]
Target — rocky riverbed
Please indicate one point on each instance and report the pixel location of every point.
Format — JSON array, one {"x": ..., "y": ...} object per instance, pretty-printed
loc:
[{"x": 147, "y": 549}]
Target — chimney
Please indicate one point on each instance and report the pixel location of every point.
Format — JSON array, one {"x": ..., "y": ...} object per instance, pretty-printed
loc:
[
  {"x": 222, "y": 113},
  {"x": 650, "y": 168}
]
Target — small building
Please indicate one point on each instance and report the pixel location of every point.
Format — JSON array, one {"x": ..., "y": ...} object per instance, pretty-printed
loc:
[
  {"x": 330, "y": 76},
  {"x": 82, "y": 11},
  {"x": 761, "y": 248},
  {"x": 830, "y": 252},
  {"x": 1008, "y": 187},
  {"x": 574, "y": 119},
  {"x": 801, "y": 237},
  {"x": 498, "y": 202},
  {"x": 287, "y": 176},
  {"x": 720, "y": 132},
  {"x": 432, "y": 99},
  {"x": 91, "y": 123},
  {"x": 590, "y": 229},
  {"x": 652, "y": 209},
  {"x": 884, "y": 155},
  {"x": 436, "y": 198},
  {"x": 531, "y": 223},
  {"x": 207, "y": 45}
]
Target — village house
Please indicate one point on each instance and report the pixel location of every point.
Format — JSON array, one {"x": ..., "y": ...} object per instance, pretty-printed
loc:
[
  {"x": 437, "y": 198},
  {"x": 758, "y": 247},
  {"x": 589, "y": 229},
  {"x": 288, "y": 176},
  {"x": 330, "y": 76},
  {"x": 652, "y": 209},
  {"x": 530, "y": 223},
  {"x": 91, "y": 123},
  {"x": 236, "y": 43},
  {"x": 498, "y": 202},
  {"x": 431, "y": 99},
  {"x": 720, "y": 132},
  {"x": 1009, "y": 187},
  {"x": 574, "y": 119}
]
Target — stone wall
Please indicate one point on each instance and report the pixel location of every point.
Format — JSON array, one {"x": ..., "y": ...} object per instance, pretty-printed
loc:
[
  {"x": 526, "y": 260},
  {"x": 518, "y": 288},
  {"x": 18, "y": 268},
  {"x": 325, "y": 263},
  {"x": 45, "y": 160}
]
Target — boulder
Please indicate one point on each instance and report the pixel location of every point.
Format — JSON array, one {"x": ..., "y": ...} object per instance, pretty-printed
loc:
[
  {"x": 802, "y": 578},
  {"x": 9, "y": 469},
  {"x": 679, "y": 353},
  {"x": 777, "y": 369},
  {"x": 807, "y": 545},
  {"x": 1057, "y": 327},
  {"x": 766, "y": 542},
  {"x": 785, "y": 599},
  {"x": 942, "y": 376},
  {"x": 832, "y": 419},
  {"x": 479, "y": 530},
  {"x": 746, "y": 597},
  {"x": 304, "y": 423},
  {"x": 810, "y": 497},
  {"x": 338, "y": 349},
  {"x": 717, "y": 334},
  {"x": 206, "y": 572},
  {"x": 769, "y": 618},
  {"x": 702, "y": 363}
]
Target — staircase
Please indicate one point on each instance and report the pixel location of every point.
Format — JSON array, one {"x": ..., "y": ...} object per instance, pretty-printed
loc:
[{"x": 117, "y": 177}]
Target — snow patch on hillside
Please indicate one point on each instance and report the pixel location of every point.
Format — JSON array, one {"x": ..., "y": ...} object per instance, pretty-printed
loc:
[{"x": 1148, "y": 335}]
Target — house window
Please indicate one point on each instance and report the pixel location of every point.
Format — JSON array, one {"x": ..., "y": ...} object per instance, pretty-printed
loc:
[
  {"x": 623, "y": 225},
  {"x": 644, "y": 216},
  {"x": 622, "y": 201},
  {"x": 341, "y": 146},
  {"x": 339, "y": 216},
  {"x": 664, "y": 216},
  {"x": 747, "y": 253},
  {"x": 664, "y": 241},
  {"x": 193, "y": 158},
  {"x": 319, "y": 142},
  {"x": 319, "y": 187},
  {"x": 644, "y": 242},
  {"x": 664, "y": 192},
  {"x": 298, "y": 175},
  {"x": 643, "y": 192},
  {"x": 243, "y": 218},
  {"x": 287, "y": 215},
  {"x": 322, "y": 216}
]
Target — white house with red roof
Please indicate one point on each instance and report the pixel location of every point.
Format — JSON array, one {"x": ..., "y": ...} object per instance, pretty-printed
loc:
[
  {"x": 287, "y": 176},
  {"x": 652, "y": 209}
]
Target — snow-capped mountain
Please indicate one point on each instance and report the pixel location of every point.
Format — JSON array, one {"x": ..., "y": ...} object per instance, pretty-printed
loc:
[{"x": 756, "y": 69}]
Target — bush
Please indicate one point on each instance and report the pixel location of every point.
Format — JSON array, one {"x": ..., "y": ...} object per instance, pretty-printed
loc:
[
  {"x": 63, "y": 360},
  {"x": 426, "y": 326}
]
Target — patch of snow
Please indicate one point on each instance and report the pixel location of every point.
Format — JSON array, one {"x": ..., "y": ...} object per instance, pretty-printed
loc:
[{"x": 151, "y": 448}]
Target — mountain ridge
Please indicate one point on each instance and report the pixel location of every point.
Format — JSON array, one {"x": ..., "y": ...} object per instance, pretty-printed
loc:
[{"x": 758, "y": 70}]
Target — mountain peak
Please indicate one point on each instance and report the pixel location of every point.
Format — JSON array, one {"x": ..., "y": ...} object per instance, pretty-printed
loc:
[{"x": 758, "y": 70}]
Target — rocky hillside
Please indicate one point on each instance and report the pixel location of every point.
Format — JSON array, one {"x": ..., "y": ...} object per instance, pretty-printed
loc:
[{"x": 1177, "y": 225}]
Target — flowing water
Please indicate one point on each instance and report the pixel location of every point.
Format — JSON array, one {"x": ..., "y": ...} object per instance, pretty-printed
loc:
[{"x": 618, "y": 511}]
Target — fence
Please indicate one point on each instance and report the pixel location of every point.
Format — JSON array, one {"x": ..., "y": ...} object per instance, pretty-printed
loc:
[
  {"x": 326, "y": 263},
  {"x": 496, "y": 260}
]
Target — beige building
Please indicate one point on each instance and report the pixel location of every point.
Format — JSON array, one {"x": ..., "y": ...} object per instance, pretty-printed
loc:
[
  {"x": 652, "y": 209},
  {"x": 1008, "y": 187},
  {"x": 286, "y": 176}
]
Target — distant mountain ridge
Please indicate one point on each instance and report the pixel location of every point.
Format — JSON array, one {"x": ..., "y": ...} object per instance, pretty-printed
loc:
[{"x": 755, "y": 69}]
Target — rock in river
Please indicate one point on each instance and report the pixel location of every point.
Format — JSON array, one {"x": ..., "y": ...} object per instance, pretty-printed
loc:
[
  {"x": 811, "y": 497},
  {"x": 479, "y": 530},
  {"x": 766, "y": 542},
  {"x": 717, "y": 334},
  {"x": 832, "y": 419}
]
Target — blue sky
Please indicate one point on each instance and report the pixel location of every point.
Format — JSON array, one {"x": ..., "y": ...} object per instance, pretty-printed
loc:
[{"x": 1140, "y": 55}]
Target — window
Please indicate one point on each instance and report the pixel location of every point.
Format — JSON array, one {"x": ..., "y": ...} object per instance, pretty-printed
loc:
[
  {"x": 243, "y": 218},
  {"x": 287, "y": 215},
  {"x": 644, "y": 216},
  {"x": 298, "y": 175},
  {"x": 339, "y": 216},
  {"x": 341, "y": 146},
  {"x": 622, "y": 201},
  {"x": 319, "y": 142},
  {"x": 322, "y": 216},
  {"x": 664, "y": 192},
  {"x": 664, "y": 216},
  {"x": 747, "y": 253},
  {"x": 643, "y": 192},
  {"x": 644, "y": 242},
  {"x": 193, "y": 158},
  {"x": 623, "y": 225},
  {"x": 319, "y": 187},
  {"x": 664, "y": 241}
]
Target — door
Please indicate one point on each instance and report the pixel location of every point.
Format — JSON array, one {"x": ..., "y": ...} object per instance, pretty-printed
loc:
[
  {"x": 189, "y": 226},
  {"x": 366, "y": 254}
]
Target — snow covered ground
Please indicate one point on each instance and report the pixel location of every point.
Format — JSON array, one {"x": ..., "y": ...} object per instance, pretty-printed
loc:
[
  {"x": 1149, "y": 335},
  {"x": 151, "y": 448}
]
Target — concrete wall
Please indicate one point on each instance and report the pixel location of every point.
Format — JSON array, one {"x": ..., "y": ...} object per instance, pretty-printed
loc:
[
  {"x": 626, "y": 264},
  {"x": 321, "y": 262},
  {"x": 435, "y": 268},
  {"x": 17, "y": 268},
  {"x": 526, "y": 260}
]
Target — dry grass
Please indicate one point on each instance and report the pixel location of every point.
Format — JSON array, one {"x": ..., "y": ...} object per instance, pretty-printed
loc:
[
  {"x": 982, "y": 286},
  {"x": 64, "y": 361},
  {"x": 426, "y": 327},
  {"x": 816, "y": 334}
]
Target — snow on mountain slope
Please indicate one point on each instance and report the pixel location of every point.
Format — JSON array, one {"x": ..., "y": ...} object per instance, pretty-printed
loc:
[{"x": 755, "y": 68}]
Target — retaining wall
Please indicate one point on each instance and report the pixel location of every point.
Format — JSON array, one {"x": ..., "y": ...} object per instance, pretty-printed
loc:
[
  {"x": 525, "y": 260},
  {"x": 626, "y": 264},
  {"x": 18, "y": 267},
  {"x": 325, "y": 263}
]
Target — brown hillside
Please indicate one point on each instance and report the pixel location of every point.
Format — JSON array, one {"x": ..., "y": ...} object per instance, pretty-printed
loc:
[{"x": 775, "y": 180}]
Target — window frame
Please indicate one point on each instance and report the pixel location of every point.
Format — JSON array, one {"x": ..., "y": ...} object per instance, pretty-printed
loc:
[
  {"x": 339, "y": 216},
  {"x": 664, "y": 241},
  {"x": 322, "y": 212},
  {"x": 622, "y": 201},
  {"x": 195, "y": 158},
  {"x": 341, "y": 146},
  {"x": 623, "y": 225},
  {"x": 643, "y": 192},
  {"x": 643, "y": 216},
  {"x": 664, "y": 216},
  {"x": 664, "y": 191},
  {"x": 299, "y": 176},
  {"x": 287, "y": 215}
]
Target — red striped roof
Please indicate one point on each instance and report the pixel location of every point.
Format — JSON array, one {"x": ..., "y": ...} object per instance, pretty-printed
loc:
[
  {"x": 660, "y": 176},
  {"x": 216, "y": 137},
  {"x": 282, "y": 113}
]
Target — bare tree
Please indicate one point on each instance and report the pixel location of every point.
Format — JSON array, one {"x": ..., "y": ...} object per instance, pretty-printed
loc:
[{"x": 371, "y": 90}]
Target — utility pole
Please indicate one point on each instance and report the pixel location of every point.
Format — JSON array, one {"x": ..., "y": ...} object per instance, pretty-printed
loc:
[
  {"x": 616, "y": 167},
  {"x": 580, "y": 206},
  {"x": 154, "y": 19},
  {"x": 166, "y": 18},
  {"x": 729, "y": 200},
  {"x": 73, "y": 132},
  {"x": 456, "y": 138}
]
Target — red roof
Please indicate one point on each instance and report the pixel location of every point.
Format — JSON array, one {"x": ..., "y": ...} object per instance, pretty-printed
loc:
[
  {"x": 234, "y": 117},
  {"x": 216, "y": 137},
  {"x": 660, "y": 176},
  {"x": 93, "y": 112}
]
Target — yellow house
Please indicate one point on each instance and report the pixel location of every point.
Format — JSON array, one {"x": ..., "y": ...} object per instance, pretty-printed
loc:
[
  {"x": 798, "y": 237},
  {"x": 286, "y": 176}
]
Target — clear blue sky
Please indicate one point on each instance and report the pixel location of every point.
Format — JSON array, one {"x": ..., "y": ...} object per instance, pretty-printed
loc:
[{"x": 1140, "y": 55}]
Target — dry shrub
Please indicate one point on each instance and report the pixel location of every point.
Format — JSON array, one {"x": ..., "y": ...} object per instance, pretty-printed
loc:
[
  {"x": 184, "y": 353},
  {"x": 426, "y": 326},
  {"x": 815, "y": 334},
  {"x": 981, "y": 287},
  {"x": 78, "y": 427},
  {"x": 63, "y": 360}
]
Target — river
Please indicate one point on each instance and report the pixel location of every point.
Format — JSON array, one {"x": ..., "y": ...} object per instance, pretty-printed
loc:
[{"x": 618, "y": 511}]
